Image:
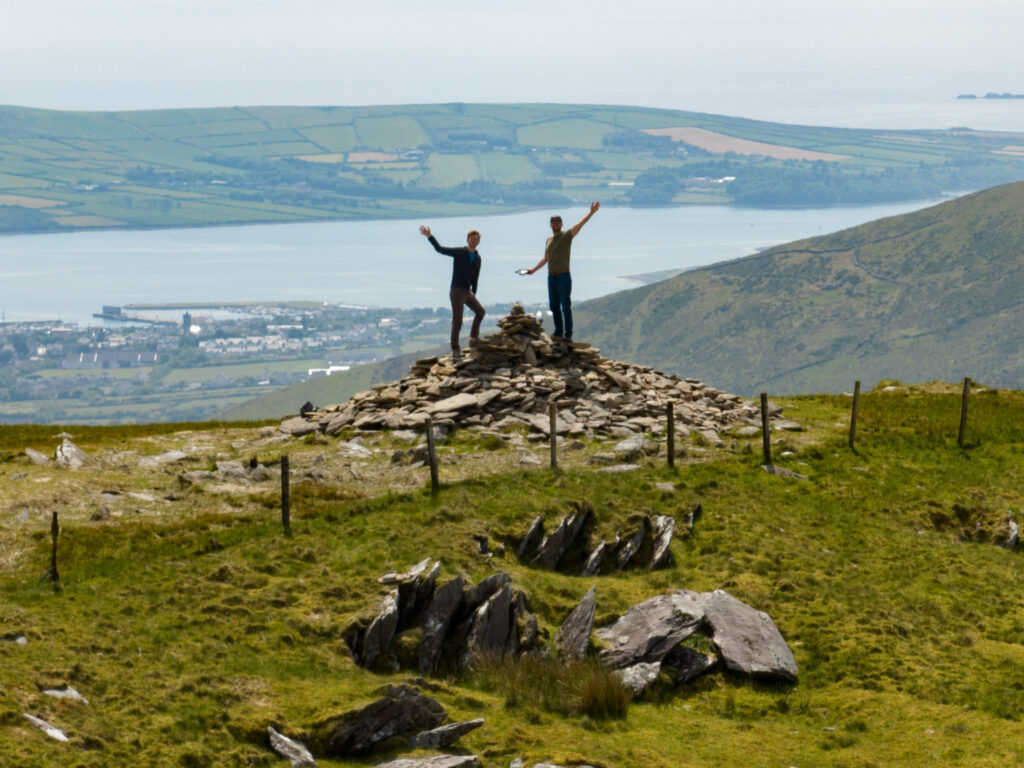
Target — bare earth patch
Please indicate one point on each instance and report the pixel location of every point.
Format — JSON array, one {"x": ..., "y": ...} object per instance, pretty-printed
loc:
[{"x": 719, "y": 143}]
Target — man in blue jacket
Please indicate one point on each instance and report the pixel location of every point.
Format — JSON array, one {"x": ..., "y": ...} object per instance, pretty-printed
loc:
[{"x": 465, "y": 273}]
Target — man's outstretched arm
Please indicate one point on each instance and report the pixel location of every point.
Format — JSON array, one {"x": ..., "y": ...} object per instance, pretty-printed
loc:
[{"x": 579, "y": 224}]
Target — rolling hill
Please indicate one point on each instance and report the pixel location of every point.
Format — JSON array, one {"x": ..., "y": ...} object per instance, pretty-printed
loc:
[
  {"x": 935, "y": 294},
  {"x": 62, "y": 171}
]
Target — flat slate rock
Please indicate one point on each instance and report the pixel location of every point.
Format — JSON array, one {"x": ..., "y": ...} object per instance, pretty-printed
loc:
[
  {"x": 441, "y": 761},
  {"x": 747, "y": 639},
  {"x": 445, "y": 735},
  {"x": 648, "y": 631},
  {"x": 402, "y": 709}
]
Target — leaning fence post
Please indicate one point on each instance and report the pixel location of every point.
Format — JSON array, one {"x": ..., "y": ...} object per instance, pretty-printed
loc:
[
  {"x": 671, "y": 436},
  {"x": 766, "y": 437},
  {"x": 286, "y": 496},
  {"x": 435, "y": 482},
  {"x": 552, "y": 432},
  {"x": 853, "y": 412},
  {"x": 963, "y": 412}
]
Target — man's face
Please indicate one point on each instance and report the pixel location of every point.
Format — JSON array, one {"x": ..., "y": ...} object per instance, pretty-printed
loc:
[
  {"x": 473, "y": 241},
  {"x": 556, "y": 225}
]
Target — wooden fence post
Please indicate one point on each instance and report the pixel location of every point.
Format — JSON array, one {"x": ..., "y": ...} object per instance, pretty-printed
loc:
[
  {"x": 963, "y": 412},
  {"x": 435, "y": 482},
  {"x": 286, "y": 495},
  {"x": 553, "y": 435},
  {"x": 766, "y": 435},
  {"x": 853, "y": 412},
  {"x": 54, "y": 531},
  {"x": 671, "y": 435}
]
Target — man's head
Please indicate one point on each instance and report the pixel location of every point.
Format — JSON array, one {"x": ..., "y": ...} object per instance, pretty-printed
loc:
[
  {"x": 472, "y": 239},
  {"x": 556, "y": 224}
]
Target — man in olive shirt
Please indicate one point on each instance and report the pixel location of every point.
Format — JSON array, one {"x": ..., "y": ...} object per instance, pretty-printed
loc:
[{"x": 556, "y": 256}]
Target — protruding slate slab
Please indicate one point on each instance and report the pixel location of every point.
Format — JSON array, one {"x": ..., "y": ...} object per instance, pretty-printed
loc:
[
  {"x": 493, "y": 631},
  {"x": 574, "y": 635},
  {"x": 52, "y": 731},
  {"x": 293, "y": 751},
  {"x": 402, "y": 709},
  {"x": 747, "y": 639},
  {"x": 445, "y": 735},
  {"x": 441, "y": 761},
  {"x": 445, "y": 605},
  {"x": 664, "y": 527},
  {"x": 377, "y": 636},
  {"x": 554, "y": 547},
  {"x": 648, "y": 631}
]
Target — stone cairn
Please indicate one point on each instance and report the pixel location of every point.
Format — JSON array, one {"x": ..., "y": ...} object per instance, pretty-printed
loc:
[{"x": 509, "y": 378}]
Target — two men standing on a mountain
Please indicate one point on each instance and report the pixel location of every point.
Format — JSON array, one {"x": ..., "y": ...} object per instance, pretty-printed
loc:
[
  {"x": 556, "y": 255},
  {"x": 465, "y": 274}
]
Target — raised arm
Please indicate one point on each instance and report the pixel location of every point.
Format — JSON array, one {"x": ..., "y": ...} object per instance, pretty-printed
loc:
[
  {"x": 579, "y": 224},
  {"x": 425, "y": 231},
  {"x": 540, "y": 264}
]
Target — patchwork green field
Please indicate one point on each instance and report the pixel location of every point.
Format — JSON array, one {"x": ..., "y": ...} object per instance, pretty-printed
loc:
[
  {"x": 190, "y": 622},
  {"x": 192, "y": 167}
]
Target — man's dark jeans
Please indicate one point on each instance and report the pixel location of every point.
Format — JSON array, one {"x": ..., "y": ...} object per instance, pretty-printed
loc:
[
  {"x": 560, "y": 302},
  {"x": 463, "y": 297}
]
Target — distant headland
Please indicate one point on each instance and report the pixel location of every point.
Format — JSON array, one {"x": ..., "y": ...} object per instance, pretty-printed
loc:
[{"x": 992, "y": 96}]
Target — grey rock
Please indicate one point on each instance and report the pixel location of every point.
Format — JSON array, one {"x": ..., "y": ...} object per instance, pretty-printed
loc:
[
  {"x": 293, "y": 751},
  {"x": 478, "y": 595},
  {"x": 14, "y": 637},
  {"x": 632, "y": 448},
  {"x": 685, "y": 665},
  {"x": 637, "y": 678},
  {"x": 573, "y": 636},
  {"x": 377, "y": 636},
  {"x": 648, "y": 631},
  {"x": 663, "y": 529},
  {"x": 298, "y": 426},
  {"x": 748, "y": 431},
  {"x": 441, "y": 761},
  {"x": 595, "y": 560},
  {"x": 443, "y": 608},
  {"x": 52, "y": 731},
  {"x": 353, "y": 450},
  {"x": 532, "y": 539},
  {"x": 67, "y": 693},
  {"x": 788, "y": 426},
  {"x": 493, "y": 631},
  {"x": 665, "y": 487},
  {"x": 747, "y": 639},
  {"x": 401, "y": 710},
  {"x": 37, "y": 457},
  {"x": 773, "y": 469},
  {"x": 70, "y": 456},
  {"x": 445, "y": 735},
  {"x": 565, "y": 537},
  {"x": 631, "y": 550},
  {"x": 619, "y": 468},
  {"x": 168, "y": 457}
]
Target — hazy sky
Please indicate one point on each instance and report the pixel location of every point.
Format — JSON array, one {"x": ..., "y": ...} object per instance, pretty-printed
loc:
[{"x": 746, "y": 57}]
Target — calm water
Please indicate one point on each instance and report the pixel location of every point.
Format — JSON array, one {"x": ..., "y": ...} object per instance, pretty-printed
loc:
[{"x": 382, "y": 263}]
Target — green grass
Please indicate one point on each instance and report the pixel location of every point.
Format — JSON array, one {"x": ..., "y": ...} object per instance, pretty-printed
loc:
[{"x": 191, "y": 632}]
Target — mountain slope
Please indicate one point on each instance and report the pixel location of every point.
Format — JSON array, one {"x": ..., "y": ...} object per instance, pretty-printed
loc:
[{"x": 935, "y": 294}]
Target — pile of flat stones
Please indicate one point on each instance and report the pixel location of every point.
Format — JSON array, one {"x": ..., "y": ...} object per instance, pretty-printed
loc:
[{"x": 510, "y": 378}]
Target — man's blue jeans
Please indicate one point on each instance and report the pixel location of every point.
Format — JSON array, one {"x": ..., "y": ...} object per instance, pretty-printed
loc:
[{"x": 560, "y": 302}]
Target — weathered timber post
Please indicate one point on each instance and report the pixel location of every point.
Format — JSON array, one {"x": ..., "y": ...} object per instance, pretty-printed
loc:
[
  {"x": 553, "y": 435},
  {"x": 52, "y": 573},
  {"x": 671, "y": 435},
  {"x": 435, "y": 482},
  {"x": 766, "y": 435},
  {"x": 853, "y": 412},
  {"x": 286, "y": 496},
  {"x": 963, "y": 412}
]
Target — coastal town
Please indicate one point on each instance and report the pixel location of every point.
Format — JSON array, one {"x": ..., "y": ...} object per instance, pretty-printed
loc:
[{"x": 55, "y": 370}]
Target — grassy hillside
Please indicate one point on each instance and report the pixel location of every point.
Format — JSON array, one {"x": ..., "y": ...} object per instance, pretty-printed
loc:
[
  {"x": 236, "y": 165},
  {"x": 934, "y": 294},
  {"x": 191, "y": 623}
]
